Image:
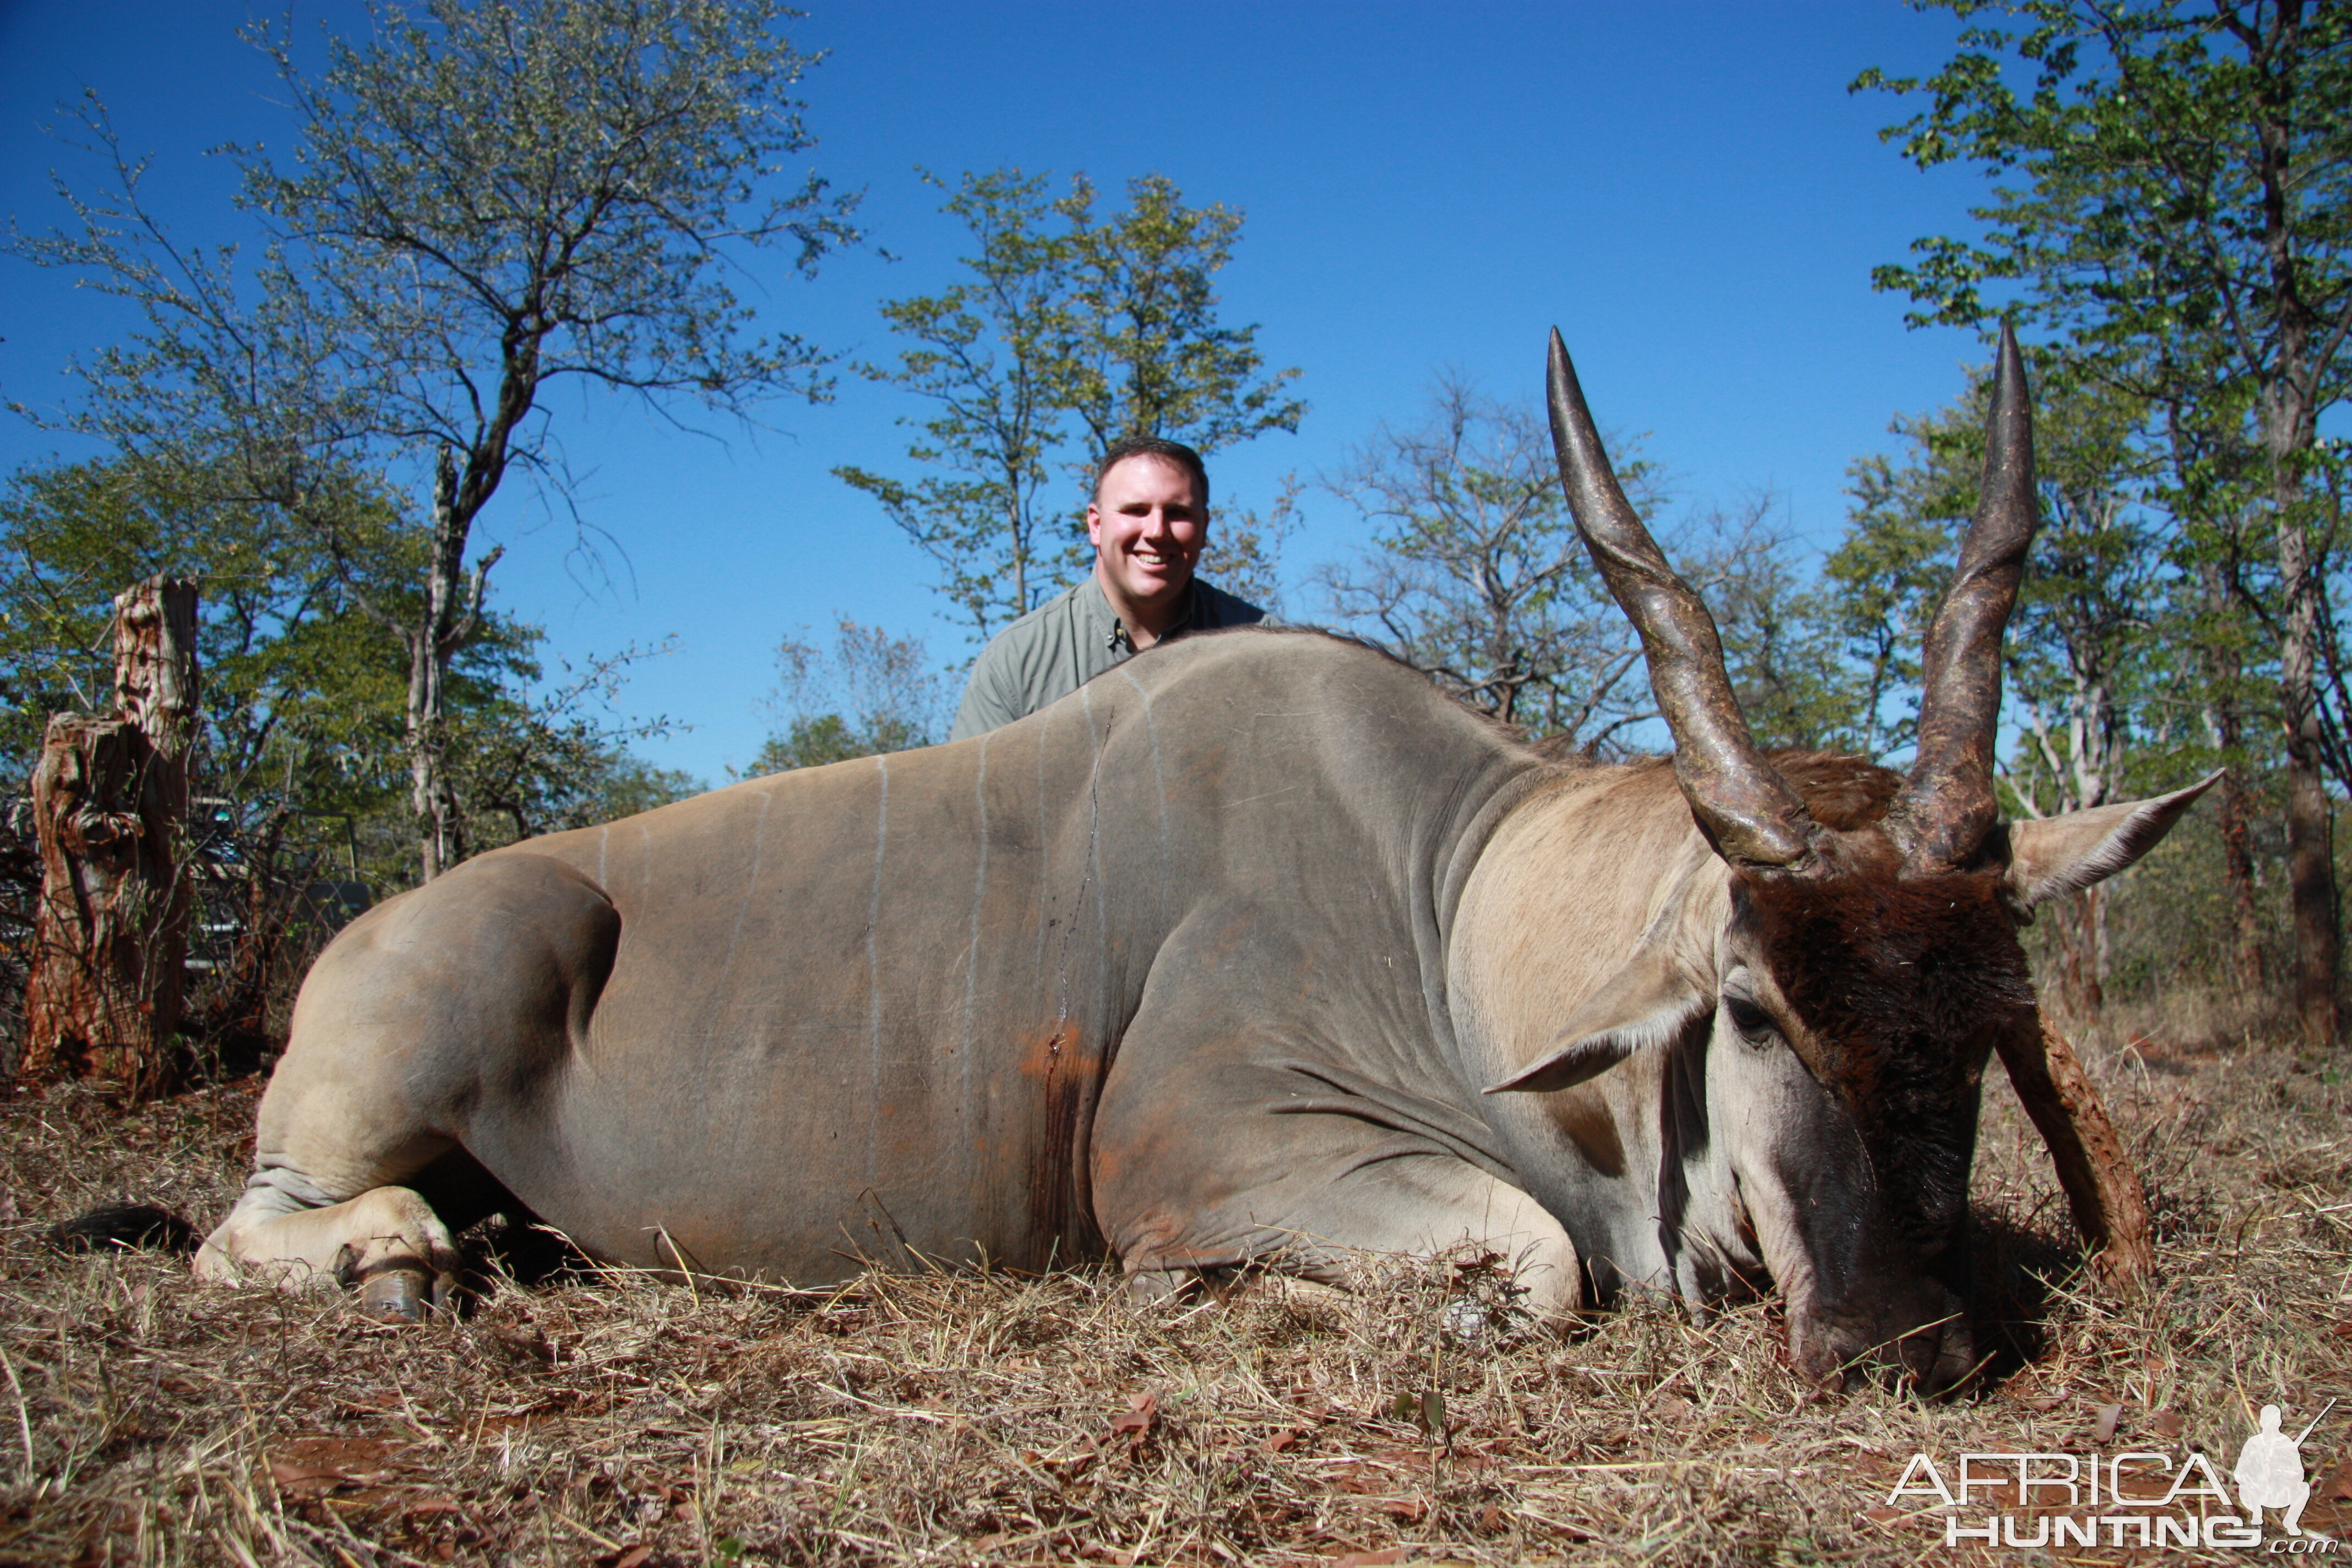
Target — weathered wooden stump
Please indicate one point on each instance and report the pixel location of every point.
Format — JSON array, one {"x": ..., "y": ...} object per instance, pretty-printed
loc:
[{"x": 111, "y": 803}]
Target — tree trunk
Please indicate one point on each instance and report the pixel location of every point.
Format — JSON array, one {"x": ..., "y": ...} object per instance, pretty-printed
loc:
[
  {"x": 2310, "y": 852},
  {"x": 2077, "y": 922},
  {"x": 2238, "y": 873},
  {"x": 428, "y": 785},
  {"x": 2289, "y": 412},
  {"x": 111, "y": 802},
  {"x": 2226, "y": 726},
  {"x": 2311, "y": 877},
  {"x": 453, "y": 602}
]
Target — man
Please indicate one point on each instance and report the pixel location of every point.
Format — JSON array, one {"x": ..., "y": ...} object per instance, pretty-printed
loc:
[
  {"x": 2270, "y": 1472},
  {"x": 1148, "y": 522}
]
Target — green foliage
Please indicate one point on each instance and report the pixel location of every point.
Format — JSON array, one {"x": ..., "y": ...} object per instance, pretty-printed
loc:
[
  {"x": 483, "y": 199},
  {"x": 1474, "y": 574},
  {"x": 2136, "y": 165},
  {"x": 1152, "y": 359},
  {"x": 1062, "y": 316},
  {"x": 557, "y": 184},
  {"x": 1888, "y": 574},
  {"x": 870, "y": 693},
  {"x": 299, "y": 698},
  {"x": 2097, "y": 579},
  {"x": 486, "y": 199},
  {"x": 1243, "y": 555},
  {"x": 2096, "y": 692},
  {"x": 811, "y": 743},
  {"x": 1781, "y": 643},
  {"x": 2173, "y": 204},
  {"x": 523, "y": 765},
  {"x": 303, "y": 696},
  {"x": 996, "y": 354},
  {"x": 2085, "y": 679}
]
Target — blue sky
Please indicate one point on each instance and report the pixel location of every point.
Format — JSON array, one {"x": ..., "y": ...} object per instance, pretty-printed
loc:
[{"x": 1686, "y": 190}]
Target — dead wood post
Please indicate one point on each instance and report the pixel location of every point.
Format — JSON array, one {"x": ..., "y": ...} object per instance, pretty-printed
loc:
[
  {"x": 111, "y": 802},
  {"x": 2109, "y": 1204}
]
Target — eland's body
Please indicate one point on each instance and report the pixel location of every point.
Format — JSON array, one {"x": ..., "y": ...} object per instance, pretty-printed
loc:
[
  {"x": 1066, "y": 984},
  {"x": 1257, "y": 948}
]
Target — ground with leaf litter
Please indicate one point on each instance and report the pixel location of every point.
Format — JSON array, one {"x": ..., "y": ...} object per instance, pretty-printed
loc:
[{"x": 594, "y": 1418}]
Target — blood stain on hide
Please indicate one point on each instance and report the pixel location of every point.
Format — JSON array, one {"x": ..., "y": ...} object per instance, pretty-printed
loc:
[{"x": 1068, "y": 1077}]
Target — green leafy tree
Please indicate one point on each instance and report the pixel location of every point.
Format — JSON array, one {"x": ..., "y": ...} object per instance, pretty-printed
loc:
[
  {"x": 1885, "y": 578},
  {"x": 1473, "y": 573},
  {"x": 486, "y": 200},
  {"x": 298, "y": 702},
  {"x": 524, "y": 765},
  {"x": 1153, "y": 358},
  {"x": 1780, "y": 647},
  {"x": 1066, "y": 331},
  {"x": 1244, "y": 555},
  {"x": 2221, "y": 624},
  {"x": 995, "y": 353},
  {"x": 2085, "y": 663},
  {"x": 868, "y": 694},
  {"x": 2175, "y": 203},
  {"x": 302, "y": 712},
  {"x": 2085, "y": 672}
]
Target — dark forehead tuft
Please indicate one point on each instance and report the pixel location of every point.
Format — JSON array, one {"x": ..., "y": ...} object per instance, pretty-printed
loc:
[
  {"x": 1842, "y": 793},
  {"x": 1891, "y": 972},
  {"x": 1904, "y": 984}
]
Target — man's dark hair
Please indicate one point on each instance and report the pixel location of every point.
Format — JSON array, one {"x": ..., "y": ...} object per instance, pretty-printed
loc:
[{"x": 1174, "y": 452}]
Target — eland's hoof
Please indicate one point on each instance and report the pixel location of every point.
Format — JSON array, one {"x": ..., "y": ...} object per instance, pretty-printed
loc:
[
  {"x": 399, "y": 1293},
  {"x": 1161, "y": 1287}
]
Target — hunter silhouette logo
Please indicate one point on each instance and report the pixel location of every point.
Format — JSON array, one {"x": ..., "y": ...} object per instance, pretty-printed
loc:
[
  {"x": 2134, "y": 1498},
  {"x": 2270, "y": 1471}
]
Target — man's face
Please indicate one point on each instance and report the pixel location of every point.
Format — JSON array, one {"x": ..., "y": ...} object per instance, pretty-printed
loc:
[{"x": 1147, "y": 527}]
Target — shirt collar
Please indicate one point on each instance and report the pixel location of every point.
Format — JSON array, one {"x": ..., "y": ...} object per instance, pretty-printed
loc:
[{"x": 1187, "y": 620}]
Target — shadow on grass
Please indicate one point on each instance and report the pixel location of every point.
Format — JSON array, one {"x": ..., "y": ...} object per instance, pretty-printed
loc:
[
  {"x": 515, "y": 1246},
  {"x": 2014, "y": 1268}
]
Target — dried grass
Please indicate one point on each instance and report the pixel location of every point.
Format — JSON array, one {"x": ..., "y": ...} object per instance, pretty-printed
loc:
[{"x": 611, "y": 1419}]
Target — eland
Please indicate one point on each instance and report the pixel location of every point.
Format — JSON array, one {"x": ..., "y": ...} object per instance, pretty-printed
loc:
[{"x": 1256, "y": 951}]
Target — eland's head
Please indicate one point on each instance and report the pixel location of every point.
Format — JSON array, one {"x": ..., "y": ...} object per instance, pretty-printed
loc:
[{"x": 1854, "y": 961}]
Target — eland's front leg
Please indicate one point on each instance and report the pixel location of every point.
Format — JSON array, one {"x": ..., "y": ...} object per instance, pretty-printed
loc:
[
  {"x": 462, "y": 999},
  {"x": 1218, "y": 1151},
  {"x": 388, "y": 1242}
]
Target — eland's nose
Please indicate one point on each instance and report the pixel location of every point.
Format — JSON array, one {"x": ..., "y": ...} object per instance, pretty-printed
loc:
[{"x": 1925, "y": 1339}]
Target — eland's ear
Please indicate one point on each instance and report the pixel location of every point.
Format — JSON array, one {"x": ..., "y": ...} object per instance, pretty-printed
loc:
[
  {"x": 2054, "y": 855},
  {"x": 1648, "y": 1002}
]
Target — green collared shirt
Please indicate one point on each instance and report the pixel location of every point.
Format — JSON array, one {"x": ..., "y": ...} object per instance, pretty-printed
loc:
[{"x": 1067, "y": 641}]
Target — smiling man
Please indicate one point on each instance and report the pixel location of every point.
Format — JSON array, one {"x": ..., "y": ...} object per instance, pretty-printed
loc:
[{"x": 1148, "y": 522}]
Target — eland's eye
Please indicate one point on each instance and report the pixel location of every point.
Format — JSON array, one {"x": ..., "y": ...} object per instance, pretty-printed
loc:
[{"x": 1747, "y": 1017}]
